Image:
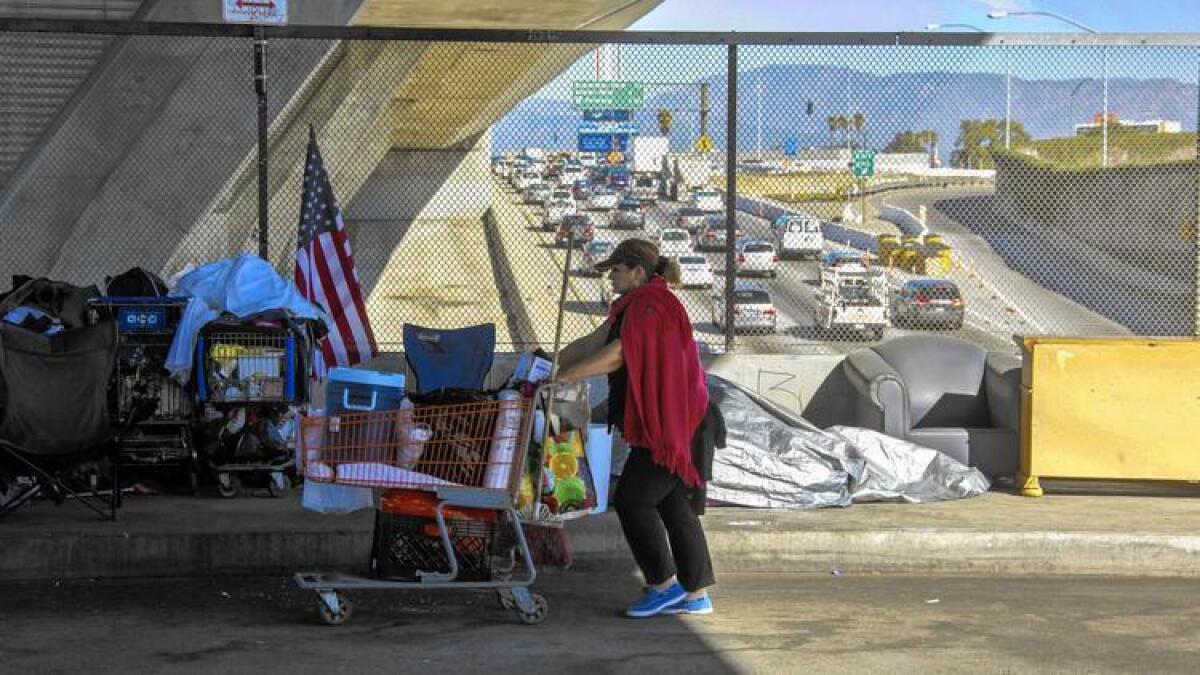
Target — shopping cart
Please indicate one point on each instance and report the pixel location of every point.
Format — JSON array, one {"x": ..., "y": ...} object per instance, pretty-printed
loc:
[
  {"x": 153, "y": 411},
  {"x": 249, "y": 373},
  {"x": 460, "y": 466}
]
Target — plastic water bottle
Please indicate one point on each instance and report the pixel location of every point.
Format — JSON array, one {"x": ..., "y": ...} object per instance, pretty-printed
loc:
[{"x": 413, "y": 436}]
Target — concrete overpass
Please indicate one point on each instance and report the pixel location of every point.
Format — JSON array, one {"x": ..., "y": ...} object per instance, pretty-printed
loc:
[{"x": 143, "y": 151}]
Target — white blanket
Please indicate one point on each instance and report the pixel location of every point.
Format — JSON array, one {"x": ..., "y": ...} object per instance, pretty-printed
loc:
[{"x": 242, "y": 286}]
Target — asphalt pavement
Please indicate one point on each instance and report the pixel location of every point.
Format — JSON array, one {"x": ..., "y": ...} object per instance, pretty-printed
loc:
[{"x": 764, "y": 623}]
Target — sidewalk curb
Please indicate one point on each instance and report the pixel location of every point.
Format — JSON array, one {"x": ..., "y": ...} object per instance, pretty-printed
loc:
[{"x": 744, "y": 545}]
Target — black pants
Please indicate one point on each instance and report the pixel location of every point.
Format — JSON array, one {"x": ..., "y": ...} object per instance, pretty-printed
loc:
[{"x": 652, "y": 504}]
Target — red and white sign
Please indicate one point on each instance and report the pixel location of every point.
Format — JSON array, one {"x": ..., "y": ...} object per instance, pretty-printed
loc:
[{"x": 267, "y": 12}]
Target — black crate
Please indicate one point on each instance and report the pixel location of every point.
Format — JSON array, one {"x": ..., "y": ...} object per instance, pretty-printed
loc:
[{"x": 405, "y": 545}]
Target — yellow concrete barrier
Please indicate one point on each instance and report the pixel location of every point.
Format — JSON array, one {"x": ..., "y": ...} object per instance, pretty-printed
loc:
[{"x": 1109, "y": 408}]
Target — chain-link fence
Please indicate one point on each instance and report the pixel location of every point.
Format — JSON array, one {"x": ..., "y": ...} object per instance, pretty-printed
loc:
[{"x": 981, "y": 186}]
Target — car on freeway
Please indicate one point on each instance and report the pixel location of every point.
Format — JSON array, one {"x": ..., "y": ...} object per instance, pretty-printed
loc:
[
  {"x": 712, "y": 235},
  {"x": 594, "y": 252},
  {"x": 674, "y": 242},
  {"x": 562, "y": 195},
  {"x": 757, "y": 256},
  {"x": 581, "y": 190},
  {"x": 690, "y": 219},
  {"x": 845, "y": 260},
  {"x": 602, "y": 199},
  {"x": 798, "y": 236},
  {"x": 538, "y": 193},
  {"x": 619, "y": 179},
  {"x": 523, "y": 178},
  {"x": 708, "y": 200},
  {"x": 928, "y": 303},
  {"x": 582, "y": 227},
  {"x": 555, "y": 212},
  {"x": 629, "y": 214},
  {"x": 753, "y": 308},
  {"x": 695, "y": 272}
]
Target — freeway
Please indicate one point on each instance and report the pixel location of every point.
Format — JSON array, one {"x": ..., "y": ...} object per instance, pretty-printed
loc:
[
  {"x": 793, "y": 290},
  {"x": 1017, "y": 266}
]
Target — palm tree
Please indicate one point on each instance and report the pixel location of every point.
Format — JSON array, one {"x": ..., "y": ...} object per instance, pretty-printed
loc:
[
  {"x": 843, "y": 125},
  {"x": 666, "y": 120},
  {"x": 859, "y": 121},
  {"x": 831, "y": 122}
]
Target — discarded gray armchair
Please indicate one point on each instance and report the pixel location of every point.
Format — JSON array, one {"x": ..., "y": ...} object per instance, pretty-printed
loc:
[{"x": 942, "y": 393}]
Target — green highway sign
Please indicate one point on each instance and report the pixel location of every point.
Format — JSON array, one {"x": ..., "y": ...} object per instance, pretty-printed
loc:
[
  {"x": 864, "y": 163},
  {"x": 606, "y": 95}
]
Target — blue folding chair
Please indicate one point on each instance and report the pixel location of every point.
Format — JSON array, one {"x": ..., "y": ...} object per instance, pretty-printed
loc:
[{"x": 449, "y": 358}]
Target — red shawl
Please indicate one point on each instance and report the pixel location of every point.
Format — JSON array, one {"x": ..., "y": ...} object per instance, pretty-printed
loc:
[{"x": 667, "y": 395}]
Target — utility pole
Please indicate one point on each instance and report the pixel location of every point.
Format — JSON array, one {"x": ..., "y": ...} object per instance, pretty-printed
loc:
[{"x": 703, "y": 109}]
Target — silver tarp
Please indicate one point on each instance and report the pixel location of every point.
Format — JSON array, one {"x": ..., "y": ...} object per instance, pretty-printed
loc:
[{"x": 776, "y": 459}]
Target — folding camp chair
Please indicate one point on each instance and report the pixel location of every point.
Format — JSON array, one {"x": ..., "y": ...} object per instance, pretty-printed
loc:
[
  {"x": 54, "y": 408},
  {"x": 449, "y": 358}
]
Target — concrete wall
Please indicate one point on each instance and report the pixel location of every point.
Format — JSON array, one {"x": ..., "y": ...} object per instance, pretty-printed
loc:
[
  {"x": 1127, "y": 217},
  {"x": 160, "y": 131}
]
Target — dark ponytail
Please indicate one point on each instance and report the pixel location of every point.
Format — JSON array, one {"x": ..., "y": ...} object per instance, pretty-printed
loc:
[{"x": 669, "y": 269}]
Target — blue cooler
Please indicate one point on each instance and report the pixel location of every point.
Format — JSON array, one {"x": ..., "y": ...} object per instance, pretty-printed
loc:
[{"x": 351, "y": 390}]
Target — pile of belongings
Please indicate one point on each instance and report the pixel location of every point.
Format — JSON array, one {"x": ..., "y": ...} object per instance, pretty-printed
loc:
[{"x": 776, "y": 459}]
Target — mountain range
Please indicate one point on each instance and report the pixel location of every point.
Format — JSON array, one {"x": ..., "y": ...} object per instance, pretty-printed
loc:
[{"x": 1047, "y": 108}]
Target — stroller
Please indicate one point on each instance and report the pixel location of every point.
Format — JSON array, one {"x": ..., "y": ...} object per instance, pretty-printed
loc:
[{"x": 55, "y": 429}]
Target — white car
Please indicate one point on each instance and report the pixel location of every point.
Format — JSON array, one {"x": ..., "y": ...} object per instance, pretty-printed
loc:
[
  {"x": 524, "y": 178},
  {"x": 708, "y": 200},
  {"x": 753, "y": 309},
  {"x": 695, "y": 271},
  {"x": 755, "y": 256},
  {"x": 602, "y": 200},
  {"x": 798, "y": 236},
  {"x": 538, "y": 193},
  {"x": 673, "y": 242},
  {"x": 563, "y": 195},
  {"x": 555, "y": 212}
]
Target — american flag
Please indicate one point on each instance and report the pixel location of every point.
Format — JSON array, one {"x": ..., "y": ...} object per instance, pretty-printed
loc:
[{"x": 325, "y": 270}]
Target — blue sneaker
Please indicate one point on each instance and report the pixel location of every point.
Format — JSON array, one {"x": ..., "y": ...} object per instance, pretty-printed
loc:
[
  {"x": 654, "y": 601},
  {"x": 698, "y": 606}
]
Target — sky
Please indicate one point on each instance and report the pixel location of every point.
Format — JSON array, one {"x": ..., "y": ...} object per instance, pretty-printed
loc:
[{"x": 912, "y": 15}]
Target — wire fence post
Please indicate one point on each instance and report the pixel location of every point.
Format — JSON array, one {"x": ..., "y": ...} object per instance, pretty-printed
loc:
[
  {"x": 730, "y": 192},
  {"x": 260, "y": 89},
  {"x": 1196, "y": 213}
]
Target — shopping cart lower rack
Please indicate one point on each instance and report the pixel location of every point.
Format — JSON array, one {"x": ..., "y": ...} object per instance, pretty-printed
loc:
[{"x": 447, "y": 516}]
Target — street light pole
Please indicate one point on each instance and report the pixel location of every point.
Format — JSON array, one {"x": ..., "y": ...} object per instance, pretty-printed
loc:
[
  {"x": 758, "y": 86},
  {"x": 1086, "y": 29},
  {"x": 1007, "y": 98}
]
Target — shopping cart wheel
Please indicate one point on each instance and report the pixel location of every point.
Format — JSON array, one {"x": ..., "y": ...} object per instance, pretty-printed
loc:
[
  {"x": 536, "y": 615},
  {"x": 279, "y": 484},
  {"x": 228, "y": 485},
  {"x": 341, "y": 610}
]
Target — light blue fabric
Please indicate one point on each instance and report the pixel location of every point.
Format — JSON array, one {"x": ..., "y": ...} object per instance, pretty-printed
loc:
[{"x": 242, "y": 286}]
